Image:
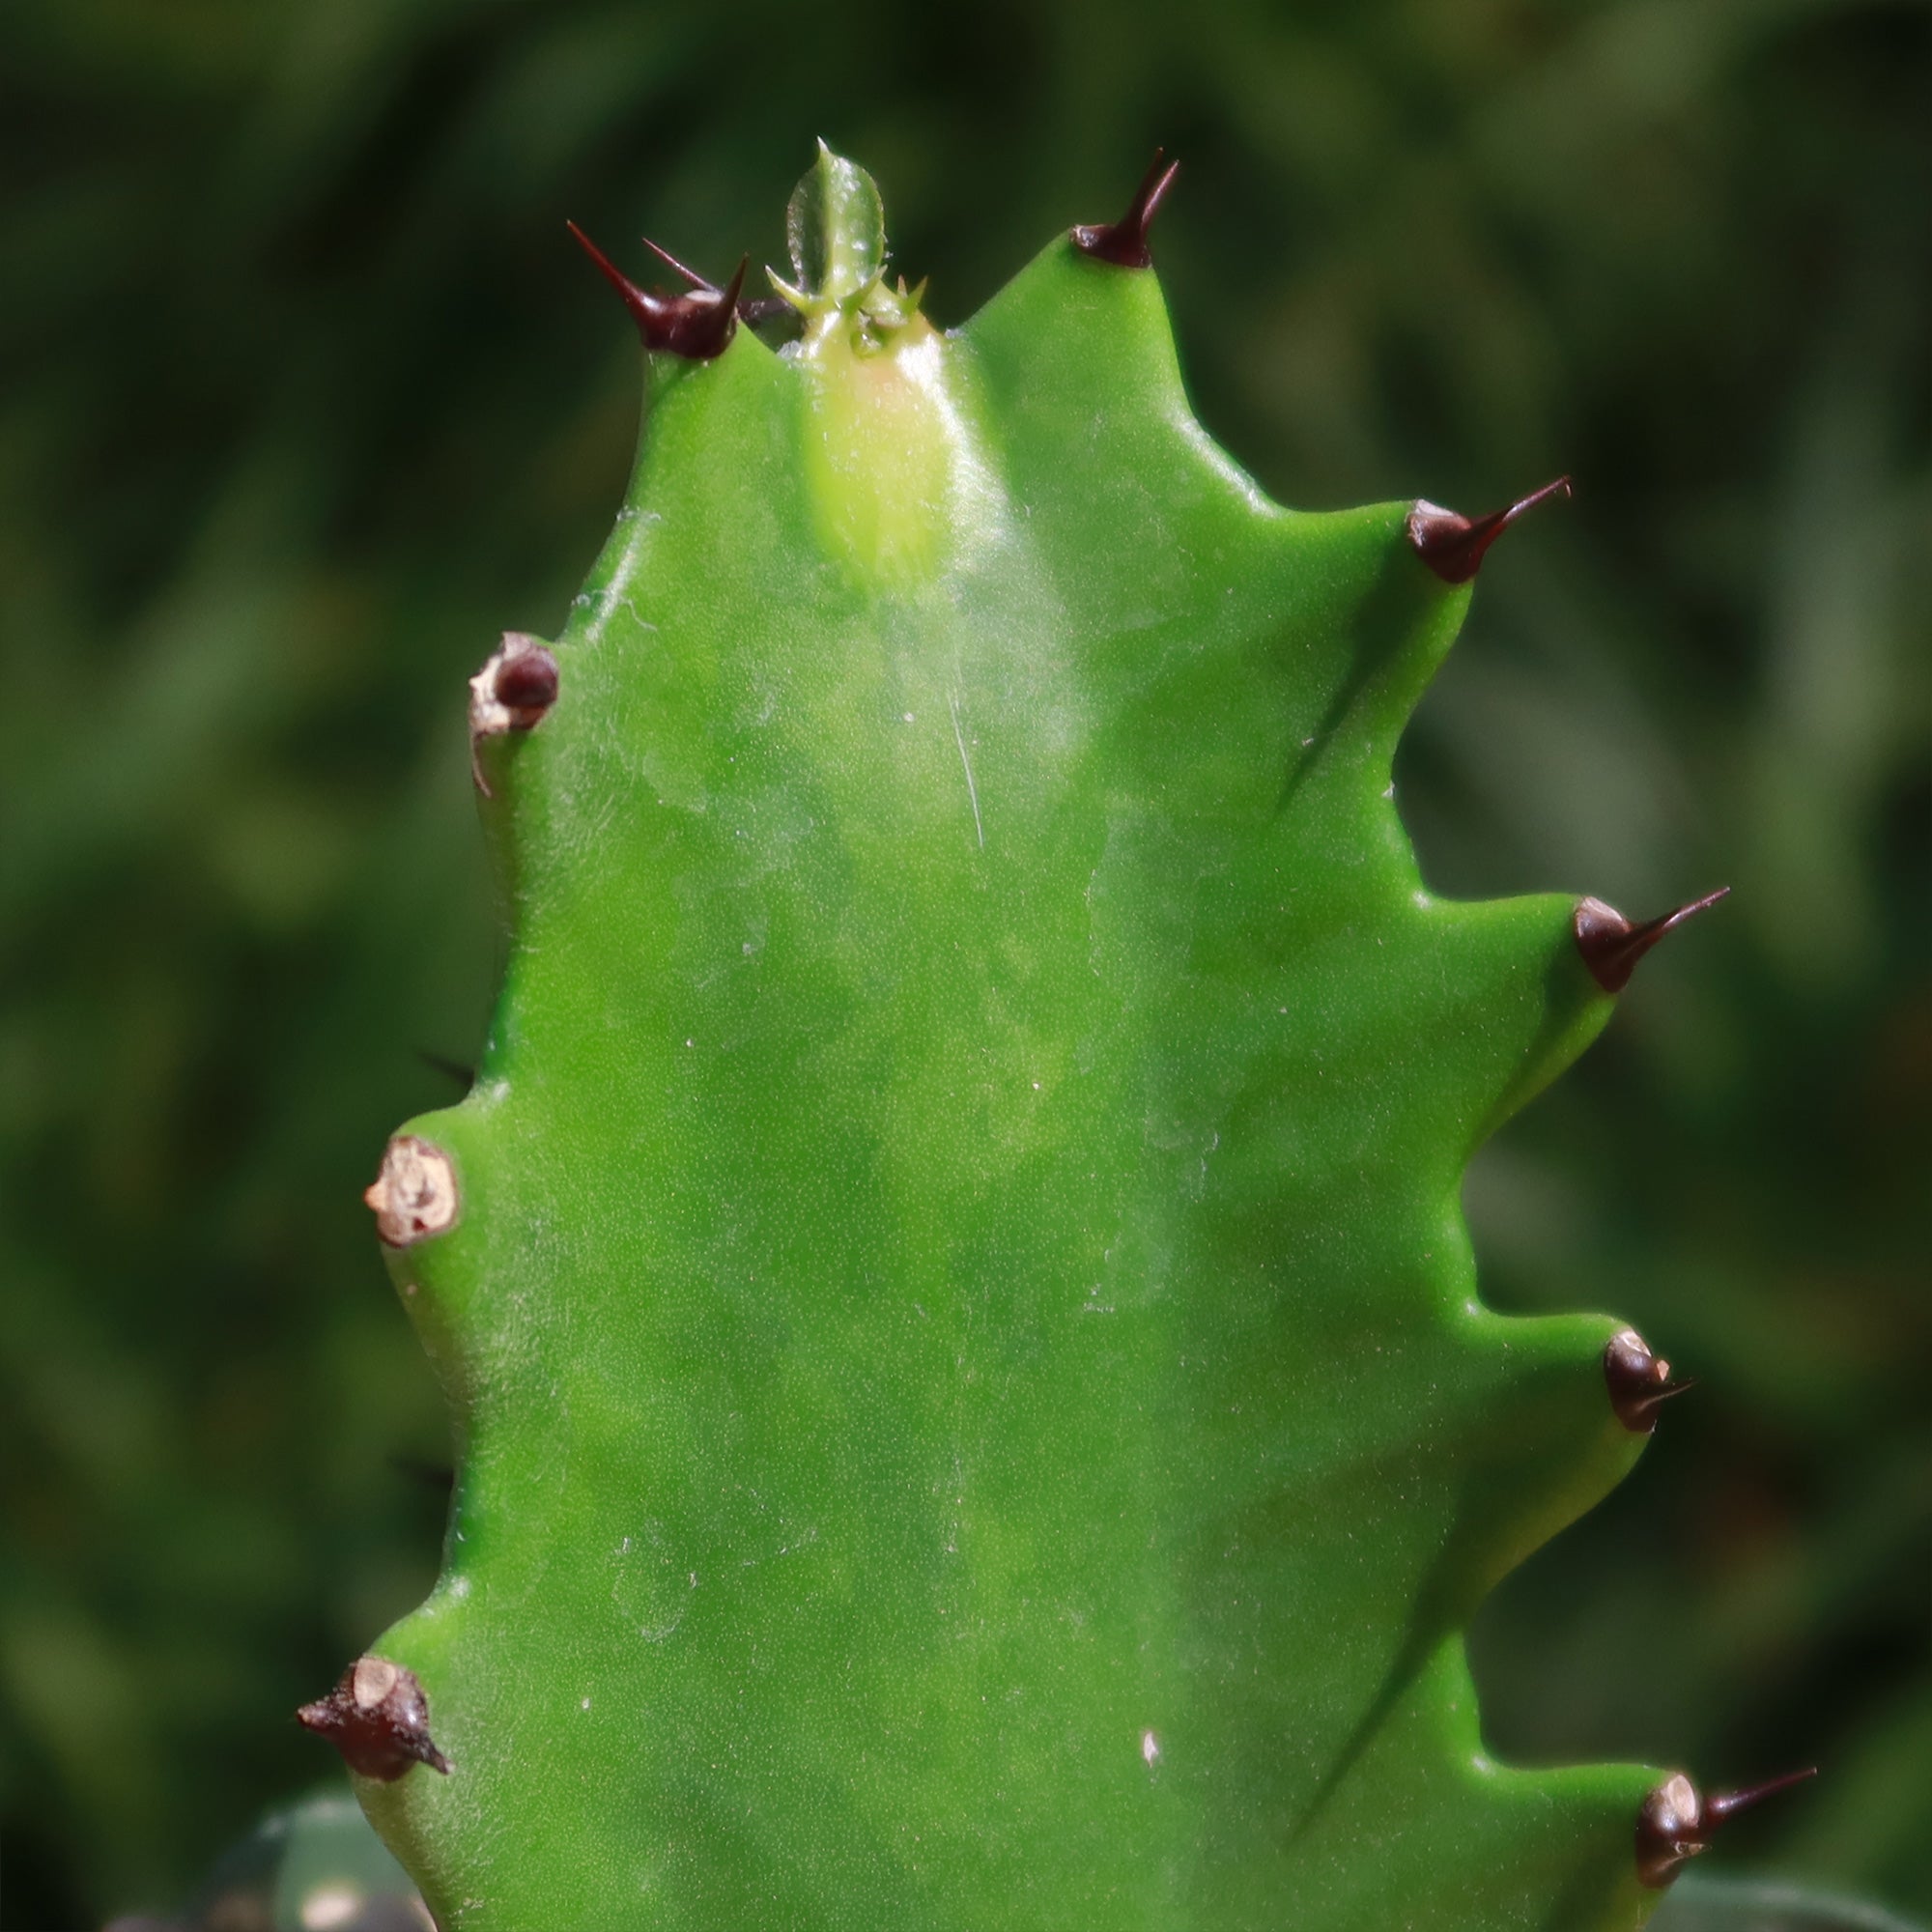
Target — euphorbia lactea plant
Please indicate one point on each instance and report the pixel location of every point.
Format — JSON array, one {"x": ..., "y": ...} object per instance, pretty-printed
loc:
[{"x": 972, "y": 1404}]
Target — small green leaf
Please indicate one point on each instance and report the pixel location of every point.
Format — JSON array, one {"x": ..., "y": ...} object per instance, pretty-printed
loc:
[{"x": 836, "y": 228}]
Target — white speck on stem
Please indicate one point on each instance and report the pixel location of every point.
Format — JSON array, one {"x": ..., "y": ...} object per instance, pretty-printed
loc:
[{"x": 972, "y": 791}]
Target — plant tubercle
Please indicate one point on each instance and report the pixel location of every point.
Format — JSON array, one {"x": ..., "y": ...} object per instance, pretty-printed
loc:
[{"x": 970, "y": 1399}]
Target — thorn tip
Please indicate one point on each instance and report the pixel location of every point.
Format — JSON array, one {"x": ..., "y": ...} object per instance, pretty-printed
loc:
[
  {"x": 1639, "y": 1383},
  {"x": 1124, "y": 243},
  {"x": 1722, "y": 1804},
  {"x": 1611, "y": 945},
  {"x": 454, "y": 1069},
  {"x": 1452, "y": 545},
  {"x": 1676, "y": 1821},
  {"x": 378, "y": 1717},
  {"x": 691, "y": 277}
]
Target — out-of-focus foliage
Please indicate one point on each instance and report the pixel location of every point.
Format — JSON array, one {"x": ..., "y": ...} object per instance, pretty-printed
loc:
[
  {"x": 307, "y": 398},
  {"x": 1701, "y": 1903},
  {"x": 307, "y": 1867}
]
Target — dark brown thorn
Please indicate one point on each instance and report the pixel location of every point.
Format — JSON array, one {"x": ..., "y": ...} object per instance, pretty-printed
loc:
[
  {"x": 378, "y": 1717},
  {"x": 1124, "y": 243},
  {"x": 1675, "y": 1822},
  {"x": 439, "y": 1477},
  {"x": 698, "y": 325},
  {"x": 759, "y": 309},
  {"x": 734, "y": 289},
  {"x": 1611, "y": 946},
  {"x": 1453, "y": 544},
  {"x": 678, "y": 268},
  {"x": 629, "y": 293},
  {"x": 454, "y": 1069},
  {"x": 1722, "y": 1804},
  {"x": 1639, "y": 1383}
]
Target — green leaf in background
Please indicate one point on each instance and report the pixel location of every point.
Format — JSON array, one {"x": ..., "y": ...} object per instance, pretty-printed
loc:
[
  {"x": 1739, "y": 1904},
  {"x": 313, "y": 1866}
]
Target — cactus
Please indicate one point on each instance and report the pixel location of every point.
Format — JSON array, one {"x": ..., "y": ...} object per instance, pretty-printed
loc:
[{"x": 970, "y": 1399}]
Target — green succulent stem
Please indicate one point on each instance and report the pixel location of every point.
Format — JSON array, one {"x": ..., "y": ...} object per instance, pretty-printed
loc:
[{"x": 973, "y": 1406}]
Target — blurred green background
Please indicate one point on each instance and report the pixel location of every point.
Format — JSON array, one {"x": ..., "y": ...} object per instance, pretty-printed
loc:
[{"x": 307, "y": 396}]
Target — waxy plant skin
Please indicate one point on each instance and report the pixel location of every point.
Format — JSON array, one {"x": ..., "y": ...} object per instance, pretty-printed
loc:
[{"x": 972, "y": 1406}]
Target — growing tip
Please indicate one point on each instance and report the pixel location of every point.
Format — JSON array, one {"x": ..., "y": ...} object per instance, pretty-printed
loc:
[
  {"x": 698, "y": 324},
  {"x": 1676, "y": 1821},
  {"x": 1124, "y": 243},
  {"x": 1639, "y": 1383},
  {"x": 378, "y": 1717},
  {"x": 1452, "y": 545},
  {"x": 1611, "y": 946}
]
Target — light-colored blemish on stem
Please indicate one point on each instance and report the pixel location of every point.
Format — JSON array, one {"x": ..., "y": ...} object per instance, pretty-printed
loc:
[
  {"x": 414, "y": 1195},
  {"x": 972, "y": 791},
  {"x": 370, "y": 1680}
]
